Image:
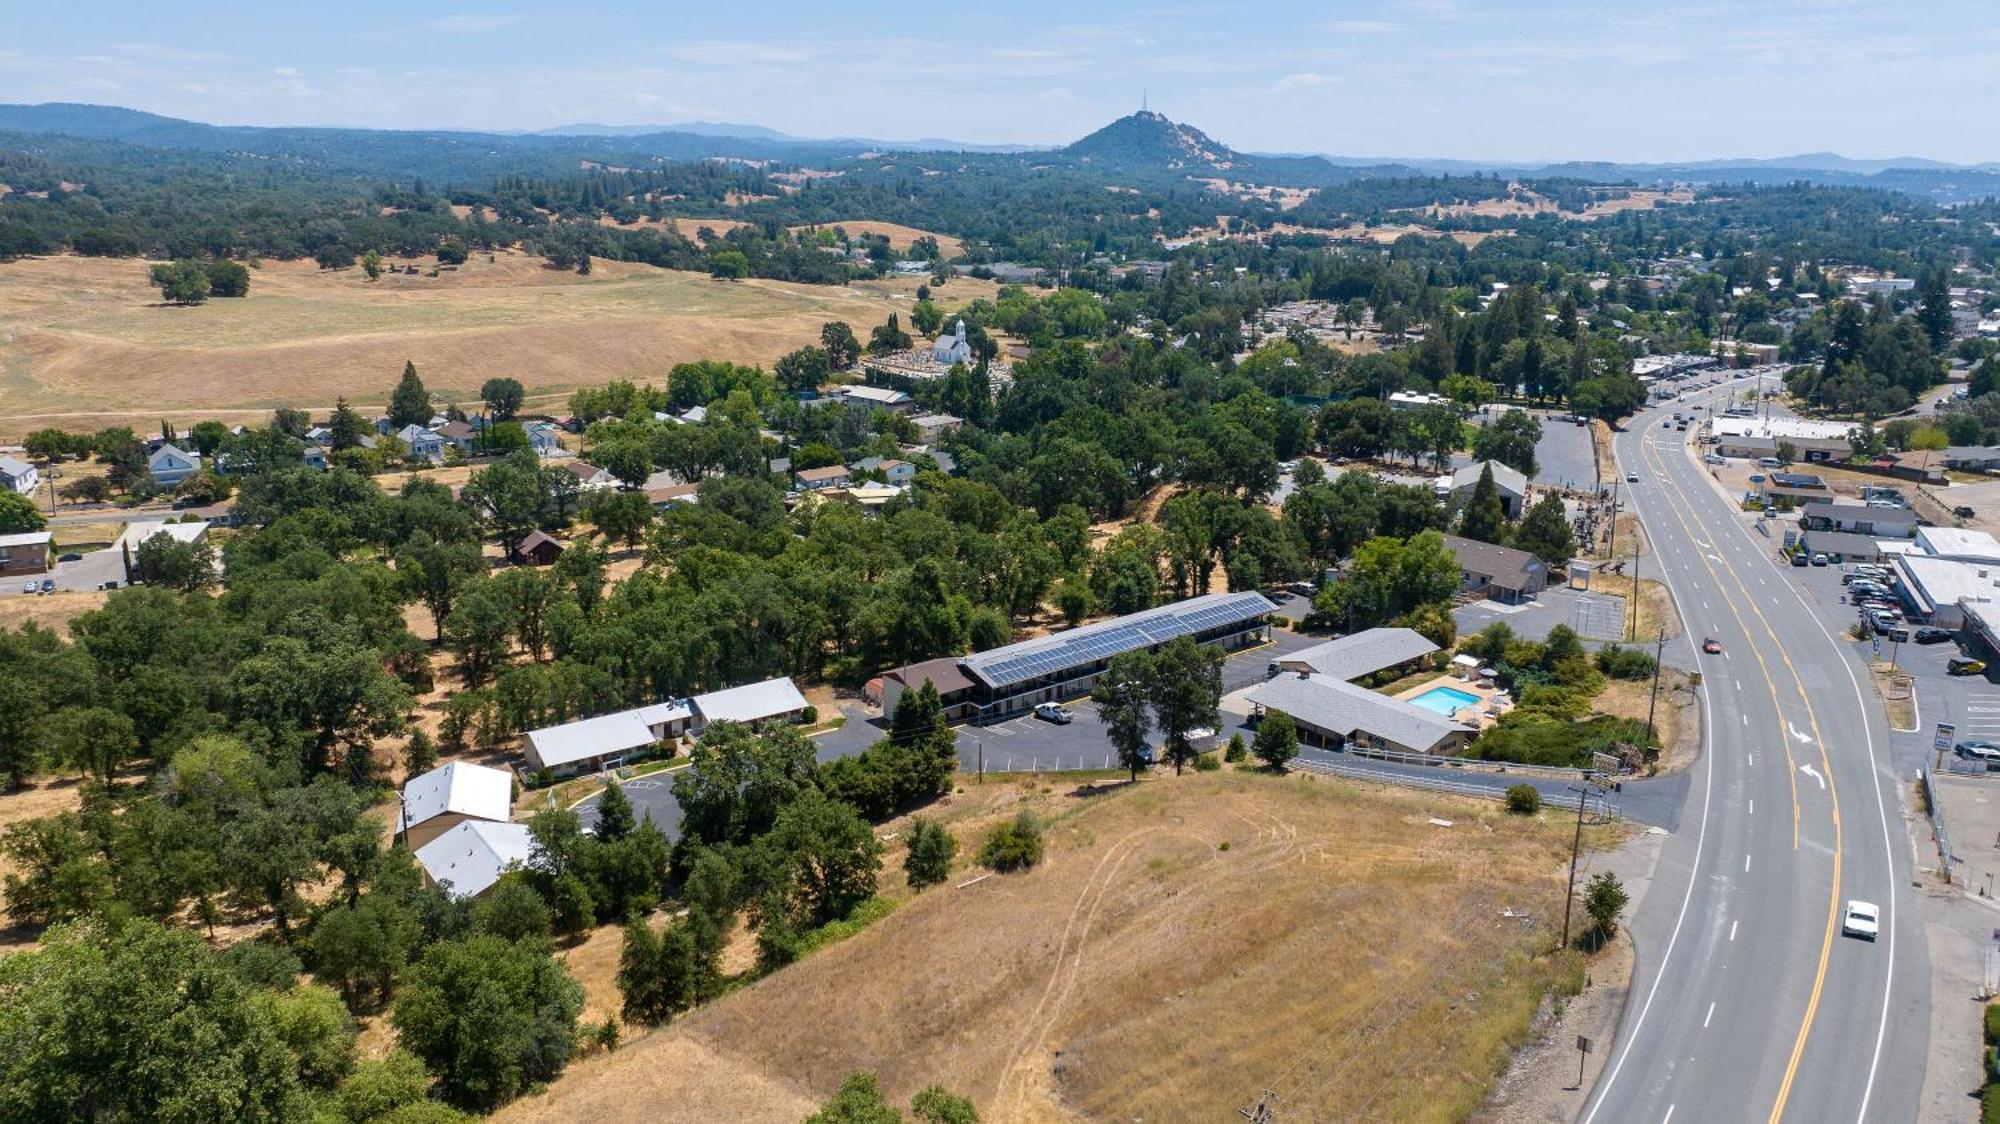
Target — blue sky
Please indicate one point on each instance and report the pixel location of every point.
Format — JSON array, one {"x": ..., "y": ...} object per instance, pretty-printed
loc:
[{"x": 1529, "y": 79}]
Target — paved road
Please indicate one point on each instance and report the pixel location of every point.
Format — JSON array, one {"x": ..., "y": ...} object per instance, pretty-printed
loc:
[{"x": 1748, "y": 1004}]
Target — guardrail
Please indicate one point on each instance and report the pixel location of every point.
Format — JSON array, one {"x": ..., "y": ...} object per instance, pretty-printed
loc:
[
  {"x": 1468, "y": 764},
  {"x": 1596, "y": 806},
  {"x": 1938, "y": 834}
]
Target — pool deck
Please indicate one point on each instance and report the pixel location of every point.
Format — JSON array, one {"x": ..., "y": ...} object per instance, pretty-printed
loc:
[{"x": 1472, "y": 714}]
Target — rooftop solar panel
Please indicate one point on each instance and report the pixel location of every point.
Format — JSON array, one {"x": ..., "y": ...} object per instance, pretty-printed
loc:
[{"x": 1047, "y": 655}]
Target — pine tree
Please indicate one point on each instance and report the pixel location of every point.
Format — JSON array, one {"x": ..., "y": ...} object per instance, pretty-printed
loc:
[
  {"x": 410, "y": 404},
  {"x": 1545, "y": 533},
  {"x": 931, "y": 850},
  {"x": 1485, "y": 519},
  {"x": 614, "y": 815},
  {"x": 347, "y": 426}
]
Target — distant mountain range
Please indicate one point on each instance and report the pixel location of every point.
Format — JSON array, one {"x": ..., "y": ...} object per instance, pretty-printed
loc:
[{"x": 1142, "y": 143}]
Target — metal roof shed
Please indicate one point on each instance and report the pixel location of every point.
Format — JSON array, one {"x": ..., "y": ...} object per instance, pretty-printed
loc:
[
  {"x": 604, "y": 736},
  {"x": 471, "y": 857},
  {"x": 754, "y": 702}
]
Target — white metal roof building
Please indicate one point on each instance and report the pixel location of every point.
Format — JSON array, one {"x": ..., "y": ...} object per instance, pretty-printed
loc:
[
  {"x": 453, "y": 791},
  {"x": 1363, "y": 653},
  {"x": 1939, "y": 589},
  {"x": 136, "y": 533},
  {"x": 1330, "y": 711},
  {"x": 753, "y": 702},
  {"x": 471, "y": 857},
  {"x": 1958, "y": 543},
  {"x": 587, "y": 741}
]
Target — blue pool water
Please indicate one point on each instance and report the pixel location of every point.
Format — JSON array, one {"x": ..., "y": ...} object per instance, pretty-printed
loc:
[{"x": 1445, "y": 700}]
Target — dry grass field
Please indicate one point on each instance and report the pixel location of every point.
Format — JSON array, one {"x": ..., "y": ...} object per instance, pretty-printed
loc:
[
  {"x": 84, "y": 342},
  {"x": 1184, "y": 944},
  {"x": 899, "y": 236}
]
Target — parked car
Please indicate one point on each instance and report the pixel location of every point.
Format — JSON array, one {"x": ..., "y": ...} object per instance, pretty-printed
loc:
[
  {"x": 1861, "y": 920},
  {"x": 1819, "y": 558},
  {"x": 1977, "y": 749},
  {"x": 1965, "y": 665},
  {"x": 1962, "y": 511},
  {"x": 28, "y": 586},
  {"x": 1932, "y": 635},
  {"x": 1799, "y": 559},
  {"x": 48, "y": 585},
  {"x": 1054, "y": 712},
  {"x": 72, "y": 556},
  {"x": 1714, "y": 458}
]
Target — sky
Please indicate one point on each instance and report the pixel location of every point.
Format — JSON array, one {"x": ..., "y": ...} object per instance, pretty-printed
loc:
[{"x": 1468, "y": 79}]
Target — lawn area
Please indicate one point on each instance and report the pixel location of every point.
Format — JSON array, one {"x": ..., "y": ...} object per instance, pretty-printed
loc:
[
  {"x": 89, "y": 344},
  {"x": 1186, "y": 942}
]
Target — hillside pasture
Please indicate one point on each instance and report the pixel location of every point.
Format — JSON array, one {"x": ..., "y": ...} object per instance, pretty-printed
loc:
[
  {"x": 85, "y": 342},
  {"x": 1186, "y": 943}
]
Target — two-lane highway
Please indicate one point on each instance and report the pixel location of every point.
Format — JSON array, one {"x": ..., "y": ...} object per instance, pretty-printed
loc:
[{"x": 1748, "y": 1004}]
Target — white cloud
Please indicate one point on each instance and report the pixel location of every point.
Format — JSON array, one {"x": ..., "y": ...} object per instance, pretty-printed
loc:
[
  {"x": 473, "y": 21},
  {"x": 736, "y": 52},
  {"x": 1304, "y": 81},
  {"x": 1363, "y": 27},
  {"x": 286, "y": 71}
]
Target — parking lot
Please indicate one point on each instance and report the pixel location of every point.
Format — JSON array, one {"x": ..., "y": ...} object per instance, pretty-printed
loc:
[{"x": 1594, "y": 614}]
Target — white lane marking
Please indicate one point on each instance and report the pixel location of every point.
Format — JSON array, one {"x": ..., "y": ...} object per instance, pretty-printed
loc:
[
  {"x": 1753, "y": 807},
  {"x": 1710, "y": 1015},
  {"x": 1808, "y": 770},
  {"x": 1732, "y": 932},
  {"x": 1752, "y": 757},
  {"x": 1668, "y": 1116},
  {"x": 1746, "y": 864},
  {"x": 1797, "y": 733},
  {"x": 1739, "y": 684},
  {"x": 1746, "y": 719}
]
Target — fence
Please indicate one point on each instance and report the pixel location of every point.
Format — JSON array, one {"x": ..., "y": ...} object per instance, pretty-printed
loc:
[
  {"x": 1469, "y": 764},
  {"x": 1938, "y": 833}
]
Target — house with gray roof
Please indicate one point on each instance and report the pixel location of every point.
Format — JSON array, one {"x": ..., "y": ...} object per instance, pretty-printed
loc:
[
  {"x": 1363, "y": 653},
  {"x": 1497, "y": 573},
  {"x": 1511, "y": 483},
  {"x": 468, "y": 859},
  {"x": 18, "y": 476}
]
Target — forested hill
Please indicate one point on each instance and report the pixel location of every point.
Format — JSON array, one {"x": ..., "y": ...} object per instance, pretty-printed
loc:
[
  {"x": 1147, "y": 142},
  {"x": 440, "y": 156}
]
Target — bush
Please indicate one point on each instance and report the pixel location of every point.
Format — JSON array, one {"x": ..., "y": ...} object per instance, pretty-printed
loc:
[
  {"x": 1529, "y": 738},
  {"x": 1207, "y": 763},
  {"x": 1993, "y": 1024},
  {"x": 1989, "y": 1104},
  {"x": 1624, "y": 663},
  {"x": 1014, "y": 846},
  {"x": 1524, "y": 799},
  {"x": 931, "y": 850},
  {"x": 1236, "y": 750}
]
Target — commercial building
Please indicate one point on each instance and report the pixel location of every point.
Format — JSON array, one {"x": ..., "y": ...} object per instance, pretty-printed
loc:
[
  {"x": 1511, "y": 483},
  {"x": 1880, "y": 522},
  {"x": 1312, "y": 686},
  {"x": 1497, "y": 573},
  {"x": 450, "y": 795},
  {"x": 468, "y": 859},
  {"x": 1013, "y": 678},
  {"x": 25, "y": 553},
  {"x": 1958, "y": 544},
  {"x": 1844, "y": 546},
  {"x": 1938, "y": 590},
  {"x": 1762, "y": 437},
  {"x": 605, "y": 740}
]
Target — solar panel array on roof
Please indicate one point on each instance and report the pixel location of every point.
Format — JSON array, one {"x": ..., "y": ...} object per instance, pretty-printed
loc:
[{"x": 1047, "y": 655}]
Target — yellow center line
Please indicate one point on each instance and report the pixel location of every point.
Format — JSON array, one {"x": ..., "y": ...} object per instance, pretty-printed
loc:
[{"x": 1833, "y": 793}]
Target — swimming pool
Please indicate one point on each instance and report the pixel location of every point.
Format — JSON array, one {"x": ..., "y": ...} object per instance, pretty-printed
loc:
[{"x": 1445, "y": 700}]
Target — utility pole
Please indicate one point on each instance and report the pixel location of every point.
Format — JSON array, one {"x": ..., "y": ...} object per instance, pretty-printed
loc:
[
  {"x": 1658, "y": 652},
  {"x": 981, "y": 743},
  {"x": 1576, "y": 846},
  {"x": 1264, "y": 1111},
  {"x": 1635, "y": 589}
]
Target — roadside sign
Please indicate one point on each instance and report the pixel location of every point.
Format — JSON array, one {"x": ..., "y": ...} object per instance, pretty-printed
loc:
[
  {"x": 1946, "y": 732},
  {"x": 1582, "y": 1044}
]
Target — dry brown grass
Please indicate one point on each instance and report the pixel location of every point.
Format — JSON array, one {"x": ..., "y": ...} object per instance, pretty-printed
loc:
[
  {"x": 87, "y": 343},
  {"x": 52, "y": 611},
  {"x": 899, "y": 236},
  {"x": 1676, "y": 718},
  {"x": 1340, "y": 949}
]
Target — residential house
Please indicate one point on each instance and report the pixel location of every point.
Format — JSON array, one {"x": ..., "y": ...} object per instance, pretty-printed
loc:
[
  {"x": 544, "y": 437},
  {"x": 459, "y": 435},
  {"x": 538, "y": 549},
  {"x": 313, "y": 456},
  {"x": 25, "y": 553},
  {"x": 137, "y": 533},
  {"x": 168, "y": 465},
  {"x": 1971, "y": 458},
  {"x": 820, "y": 479},
  {"x": 468, "y": 859},
  {"x": 422, "y": 442},
  {"x": 589, "y": 743},
  {"x": 933, "y": 427},
  {"x": 671, "y": 495},
  {"x": 1497, "y": 573},
  {"x": 449, "y": 795},
  {"x": 895, "y": 472},
  {"x": 589, "y": 477},
  {"x": 1511, "y": 483},
  {"x": 18, "y": 476}
]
